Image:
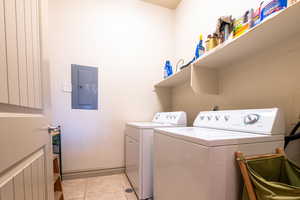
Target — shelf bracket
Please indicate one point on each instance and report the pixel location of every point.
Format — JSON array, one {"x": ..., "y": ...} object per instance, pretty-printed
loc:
[{"x": 164, "y": 95}]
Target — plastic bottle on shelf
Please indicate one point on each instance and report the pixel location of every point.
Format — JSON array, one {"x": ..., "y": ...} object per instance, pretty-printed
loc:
[
  {"x": 168, "y": 70},
  {"x": 200, "y": 50}
]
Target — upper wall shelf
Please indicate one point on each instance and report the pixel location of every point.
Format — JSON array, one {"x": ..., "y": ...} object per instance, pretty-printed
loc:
[{"x": 272, "y": 31}]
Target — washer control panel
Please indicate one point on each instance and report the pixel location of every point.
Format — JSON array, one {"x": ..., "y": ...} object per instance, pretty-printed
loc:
[
  {"x": 176, "y": 118},
  {"x": 262, "y": 121}
]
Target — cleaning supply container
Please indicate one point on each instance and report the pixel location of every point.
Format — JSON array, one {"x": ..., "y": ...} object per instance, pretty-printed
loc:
[
  {"x": 200, "y": 49},
  {"x": 168, "y": 69},
  {"x": 271, "y": 7}
]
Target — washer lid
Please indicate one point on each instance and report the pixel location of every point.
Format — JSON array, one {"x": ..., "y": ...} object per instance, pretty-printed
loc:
[
  {"x": 149, "y": 125},
  {"x": 213, "y": 137}
]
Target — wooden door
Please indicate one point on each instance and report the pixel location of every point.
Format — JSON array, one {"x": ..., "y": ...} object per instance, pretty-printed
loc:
[{"x": 26, "y": 171}]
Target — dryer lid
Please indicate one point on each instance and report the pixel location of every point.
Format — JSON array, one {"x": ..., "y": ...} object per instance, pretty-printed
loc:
[{"x": 149, "y": 125}]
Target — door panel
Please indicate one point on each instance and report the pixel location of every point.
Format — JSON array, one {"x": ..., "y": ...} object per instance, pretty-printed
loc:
[
  {"x": 21, "y": 35},
  {"x": 36, "y": 53},
  {"x": 41, "y": 179},
  {"x": 85, "y": 79},
  {"x": 35, "y": 188},
  {"x": 19, "y": 187},
  {"x": 29, "y": 52},
  {"x": 27, "y": 183},
  {"x": 16, "y": 176},
  {"x": 20, "y": 54},
  {"x": 12, "y": 52},
  {"x": 25, "y": 152},
  {"x": 7, "y": 191},
  {"x": 3, "y": 65}
]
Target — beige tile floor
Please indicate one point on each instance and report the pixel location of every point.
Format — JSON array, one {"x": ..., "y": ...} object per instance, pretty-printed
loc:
[{"x": 98, "y": 188}]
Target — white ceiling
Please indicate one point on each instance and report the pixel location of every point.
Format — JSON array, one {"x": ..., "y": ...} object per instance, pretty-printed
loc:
[{"x": 172, "y": 4}]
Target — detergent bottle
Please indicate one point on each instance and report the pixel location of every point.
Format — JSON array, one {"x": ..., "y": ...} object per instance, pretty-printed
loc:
[
  {"x": 168, "y": 70},
  {"x": 200, "y": 50}
]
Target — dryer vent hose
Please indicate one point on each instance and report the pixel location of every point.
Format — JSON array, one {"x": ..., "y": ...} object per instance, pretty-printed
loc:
[{"x": 293, "y": 136}]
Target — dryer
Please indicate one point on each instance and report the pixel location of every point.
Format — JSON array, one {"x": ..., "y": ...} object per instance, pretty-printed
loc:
[
  {"x": 139, "y": 149},
  {"x": 199, "y": 163}
]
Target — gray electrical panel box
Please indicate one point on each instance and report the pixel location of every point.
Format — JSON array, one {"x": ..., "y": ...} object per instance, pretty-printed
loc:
[{"x": 84, "y": 87}]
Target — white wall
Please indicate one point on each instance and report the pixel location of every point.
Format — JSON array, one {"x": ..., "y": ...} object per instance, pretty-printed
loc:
[
  {"x": 265, "y": 79},
  {"x": 128, "y": 40}
]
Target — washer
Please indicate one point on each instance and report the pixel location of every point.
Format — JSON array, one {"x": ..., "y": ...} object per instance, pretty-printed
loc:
[
  {"x": 138, "y": 148},
  {"x": 199, "y": 163}
]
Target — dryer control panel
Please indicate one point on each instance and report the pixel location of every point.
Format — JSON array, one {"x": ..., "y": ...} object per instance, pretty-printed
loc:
[
  {"x": 261, "y": 121},
  {"x": 176, "y": 118}
]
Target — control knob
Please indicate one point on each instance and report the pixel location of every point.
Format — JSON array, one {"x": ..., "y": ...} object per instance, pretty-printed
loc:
[
  {"x": 251, "y": 119},
  {"x": 226, "y": 118}
]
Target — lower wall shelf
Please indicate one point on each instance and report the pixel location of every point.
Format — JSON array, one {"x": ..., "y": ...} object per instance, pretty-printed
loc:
[
  {"x": 176, "y": 79},
  {"x": 201, "y": 80}
]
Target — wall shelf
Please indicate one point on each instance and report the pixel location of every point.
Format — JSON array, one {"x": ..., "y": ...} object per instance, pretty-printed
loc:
[
  {"x": 176, "y": 79},
  {"x": 269, "y": 33},
  {"x": 203, "y": 73}
]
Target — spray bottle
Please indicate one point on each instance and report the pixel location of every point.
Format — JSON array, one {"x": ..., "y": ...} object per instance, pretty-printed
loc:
[{"x": 200, "y": 50}]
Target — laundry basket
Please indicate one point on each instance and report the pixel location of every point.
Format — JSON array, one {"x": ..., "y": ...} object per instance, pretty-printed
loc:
[{"x": 269, "y": 177}]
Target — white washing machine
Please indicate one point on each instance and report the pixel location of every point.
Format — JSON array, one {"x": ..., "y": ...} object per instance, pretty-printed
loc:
[
  {"x": 198, "y": 163},
  {"x": 138, "y": 148}
]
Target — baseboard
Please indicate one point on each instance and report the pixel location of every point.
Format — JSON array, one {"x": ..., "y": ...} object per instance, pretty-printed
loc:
[{"x": 67, "y": 175}]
